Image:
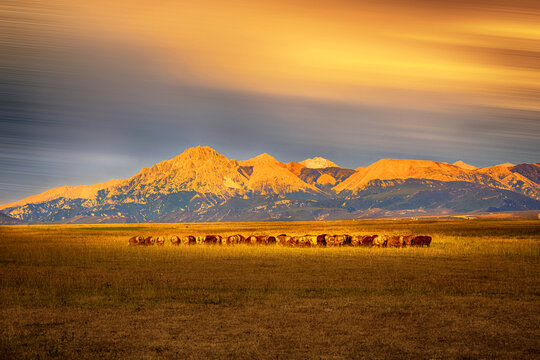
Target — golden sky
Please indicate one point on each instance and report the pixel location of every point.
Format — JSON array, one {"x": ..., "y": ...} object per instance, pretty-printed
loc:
[
  {"x": 398, "y": 53},
  {"x": 98, "y": 89}
]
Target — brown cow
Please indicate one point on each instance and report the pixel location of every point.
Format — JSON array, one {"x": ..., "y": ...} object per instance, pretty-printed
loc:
[
  {"x": 427, "y": 241},
  {"x": 314, "y": 240},
  {"x": 308, "y": 240},
  {"x": 417, "y": 241},
  {"x": 356, "y": 240},
  {"x": 342, "y": 240},
  {"x": 264, "y": 240},
  {"x": 380, "y": 240},
  {"x": 321, "y": 240},
  {"x": 149, "y": 241},
  {"x": 175, "y": 240},
  {"x": 368, "y": 240},
  {"x": 407, "y": 239},
  {"x": 212, "y": 240},
  {"x": 200, "y": 239},
  {"x": 189, "y": 240},
  {"x": 160, "y": 240},
  {"x": 252, "y": 240},
  {"x": 395, "y": 241},
  {"x": 283, "y": 239},
  {"x": 295, "y": 241},
  {"x": 235, "y": 239},
  {"x": 135, "y": 240},
  {"x": 291, "y": 240},
  {"x": 421, "y": 241},
  {"x": 303, "y": 241},
  {"x": 330, "y": 240}
]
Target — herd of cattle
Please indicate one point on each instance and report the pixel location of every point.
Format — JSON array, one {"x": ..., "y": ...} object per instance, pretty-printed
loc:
[{"x": 293, "y": 241}]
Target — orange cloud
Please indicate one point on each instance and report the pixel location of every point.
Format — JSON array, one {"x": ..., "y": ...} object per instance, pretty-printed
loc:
[{"x": 394, "y": 53}]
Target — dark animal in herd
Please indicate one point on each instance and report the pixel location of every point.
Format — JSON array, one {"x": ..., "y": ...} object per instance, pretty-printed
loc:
[{"x": 323, "y": 240}]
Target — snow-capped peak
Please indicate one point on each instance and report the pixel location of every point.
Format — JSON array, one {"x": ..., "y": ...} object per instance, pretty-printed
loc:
[{"x": 318, "y": 163}]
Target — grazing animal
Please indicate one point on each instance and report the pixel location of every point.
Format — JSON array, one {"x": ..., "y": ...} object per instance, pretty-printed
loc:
[
  {"x": 135, "y": 240},
  {"x": 407, "y": 239},
  {"x": 421, "y": 241},
  {"x": 308, "y": 240},
  {"x": 234, "y": 239},
  {"x": 395, "y": 241},
  {"x": 427, "y": 241},
  {"x": 321, "y": 240},
  {"x": 356, "y": 240},
  {"x": 175, "y": 240},
  {"x": 380, "y": 240},
  {"x": 342, "y": 240},
  {"x": 200, "y": 239},
  {"x": 189, "y": 240},
  {"x": 368, "y": 240},
  {"x": 149, "y": 241},
  {"x": 313, "y": 240},
  {"x": 265, "y": 240},
  {"x": 302, "y": 241},
  {"x": 160, "y": 240},
  {"x": 305, "y": 241},
  {"x": 295, "y": 241},
  {"x": 212, "y": 240},
  {"x": 330, "y": 240},
  {"x": 252, "y": 240},
  {"x": 283, "y": 239}
]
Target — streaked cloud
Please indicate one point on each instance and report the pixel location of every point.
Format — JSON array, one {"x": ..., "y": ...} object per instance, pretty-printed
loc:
[{"x": 95, "y": 90}]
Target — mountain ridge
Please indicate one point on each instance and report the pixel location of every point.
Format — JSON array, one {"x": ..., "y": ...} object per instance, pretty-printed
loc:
[{"x": 202, "y": 184}]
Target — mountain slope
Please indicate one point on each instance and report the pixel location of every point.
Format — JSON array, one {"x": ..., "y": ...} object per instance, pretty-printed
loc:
[
  {"x": 325, "y": 178},
  {"x": 389, "y": 169},
  {"x": 68, "y": 192},
  {"x": 381, "y": 198},
  {"x": 437, "y": 197},
  {"x": 511, "y": 180},
  {"x": 8, "y": 220},
  {"x": 269, "y": 176},
  {"x": 530, "y": 171},
  {"x": 294, "y": 167}
]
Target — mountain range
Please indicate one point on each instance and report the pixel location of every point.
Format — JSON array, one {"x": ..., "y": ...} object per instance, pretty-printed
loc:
[{"x": 202, "y": 185}]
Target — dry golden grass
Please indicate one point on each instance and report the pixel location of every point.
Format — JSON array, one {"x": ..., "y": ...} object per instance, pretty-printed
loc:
[{"x": 81, "y": 292}]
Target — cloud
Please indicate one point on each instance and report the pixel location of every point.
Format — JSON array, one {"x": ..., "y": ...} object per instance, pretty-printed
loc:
[{"x": 98, "y": 90}]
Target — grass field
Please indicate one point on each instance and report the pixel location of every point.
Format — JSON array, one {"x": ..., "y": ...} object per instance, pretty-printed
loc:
[{"x": 80, "y": 292}]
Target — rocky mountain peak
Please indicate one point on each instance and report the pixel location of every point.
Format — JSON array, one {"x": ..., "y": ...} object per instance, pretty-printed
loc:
[
  {"x": 199, "y": 153},
  {"x": 260, "y": 159}
]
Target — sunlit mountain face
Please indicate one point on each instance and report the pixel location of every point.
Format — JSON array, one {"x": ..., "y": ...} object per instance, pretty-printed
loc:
[
  {"x": 96, "y": 89},
  {"x": 202, "y": 185}
]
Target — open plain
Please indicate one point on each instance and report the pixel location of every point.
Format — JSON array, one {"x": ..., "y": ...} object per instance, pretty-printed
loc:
[{"x": 79, "y": 291}]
